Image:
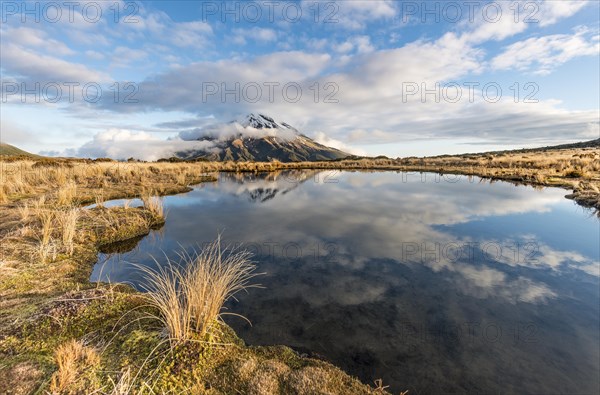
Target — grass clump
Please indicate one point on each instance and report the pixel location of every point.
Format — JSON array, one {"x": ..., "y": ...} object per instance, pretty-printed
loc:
[
  {"x": 190, "y": 296},
  {"x": 73, "y": 359},
  {"x": 99, "y": 199},
  {"x": 154, "y": 204},
  {"x": 68, "y": 222},
  {"x": 67, "y": 193},
  {"x": 46, "y": 245}
]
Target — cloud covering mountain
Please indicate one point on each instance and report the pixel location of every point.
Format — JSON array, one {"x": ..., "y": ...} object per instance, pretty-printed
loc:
[{"x": 255, "y": 137}]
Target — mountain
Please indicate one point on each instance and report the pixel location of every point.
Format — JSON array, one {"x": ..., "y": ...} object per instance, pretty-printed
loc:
[
  {"x": 11, "y": 150},
  {"x": 259, "y": 138}
]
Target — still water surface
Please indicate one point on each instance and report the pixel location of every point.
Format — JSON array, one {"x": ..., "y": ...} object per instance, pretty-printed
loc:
[{"x": 434, "y": 284}]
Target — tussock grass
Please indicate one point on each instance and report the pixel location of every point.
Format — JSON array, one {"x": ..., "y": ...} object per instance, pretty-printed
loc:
[
  {"x": 181, "y": 178},
  {"x": 60, "y": 177},
  {"x": 46, "y": 244},
  {"x": 68, "y": 223},
  {"x": 67, "y": 193},
  {"x": 99, "y": 199},
  {"x": 72, "y": 358},
  {"x": 190, "y": 295},
  {"x": 154, "y": 204}
]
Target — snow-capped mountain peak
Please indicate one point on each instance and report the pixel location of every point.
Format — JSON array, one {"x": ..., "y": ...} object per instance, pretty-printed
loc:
[
  {"x": 261, "y": 121},
  {"x": 258, "y": 137}
]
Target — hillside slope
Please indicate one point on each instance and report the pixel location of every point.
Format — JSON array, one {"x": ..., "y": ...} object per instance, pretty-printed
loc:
[{"x": 11, "y": 150}]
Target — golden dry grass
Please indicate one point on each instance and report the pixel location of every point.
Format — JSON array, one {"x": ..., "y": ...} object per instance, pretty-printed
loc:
[
  {"x": 86, "y": 180},
  {"x": 99, "y": 199},
  {"x": 67, "y": 220},
  {"x": 67, "y": 193},
  {"x": 72, "y": 358},
  {"x": 190, "y": 295},
  {"x": 154, "y": 204},
  {"x": 46, "y": 243}
]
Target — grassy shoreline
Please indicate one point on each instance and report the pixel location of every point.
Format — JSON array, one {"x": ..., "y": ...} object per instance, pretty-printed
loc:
[
  {"x": 575, "y": 168},
  {"x": 59, "y": 333},
  {"x": 52, "y": 319}
]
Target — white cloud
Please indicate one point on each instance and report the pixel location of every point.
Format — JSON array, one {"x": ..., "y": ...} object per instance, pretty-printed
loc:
[
  {"x": 362, "y": 44},
  {"x": 552, "y": 11},
  {"x": 353, "y": 15},
  {"x": 344, "y": 47},
  {"x": 29, "y": 37},
  {"x": 123, "y": 144},
  {"x": 317, "y": 44},
  {"x": 371, "y": 9},
  {"x": 494, "y": 23},
  {"x": 44, "y": 68},
  {"x": 371, "y": 108},
  {"x": 189, "y": 34},
  {"x": 502, "y": 19},
  {"x": 544, "y": 54},
  {"x": 322, "y": 138},
  {"x": 225, "y": 131},
  {"x": 240, "y": 36},
  {"x": 123, "y": 56},
  {"x": 182, "y": 87}
]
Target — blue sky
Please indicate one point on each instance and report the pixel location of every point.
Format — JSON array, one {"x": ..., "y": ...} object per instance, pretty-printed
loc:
[{"x": 498, "y": 74}]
